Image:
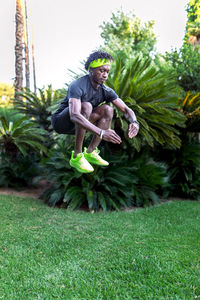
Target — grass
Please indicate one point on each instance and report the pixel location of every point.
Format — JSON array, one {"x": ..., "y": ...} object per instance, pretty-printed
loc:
[{"x": 48, "y": 253}]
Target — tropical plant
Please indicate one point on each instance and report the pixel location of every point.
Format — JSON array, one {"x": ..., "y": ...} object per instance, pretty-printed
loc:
[
  {"x": 9, "y": 113},
  {"x": 186, "y": 65},
  {"x": 19, "y": 172},
  {"x": 154, "y": 99},
  {"x": 6, "y": 94},
  {"x": 126, "y": 34},
  {"x": 151, "y": 179},
  {"x": 20, "y": 136},
  {"x": 21, "y": 145},
  {"x": 183, "y": 164},
  {"x": 123, "y": 184},
  {"x": 183, "y": 168},
  {"x": 190, "y": 107},
  {"x": 37, "y": 106},
  {"x": 193, "y": 18}
]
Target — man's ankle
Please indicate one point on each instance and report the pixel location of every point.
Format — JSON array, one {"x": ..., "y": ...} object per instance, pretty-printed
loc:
[
  {"x": 76, "y": 153},
  {"x": 89, "y": 149}
]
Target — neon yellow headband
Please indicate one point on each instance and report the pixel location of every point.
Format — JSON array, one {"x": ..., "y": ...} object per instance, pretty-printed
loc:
[{"x": 99, "y": 62}]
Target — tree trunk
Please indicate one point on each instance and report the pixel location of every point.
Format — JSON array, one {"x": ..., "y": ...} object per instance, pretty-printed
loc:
[
  {"x": 27, "y": 68},
  {"x": 19, "y": 47}
]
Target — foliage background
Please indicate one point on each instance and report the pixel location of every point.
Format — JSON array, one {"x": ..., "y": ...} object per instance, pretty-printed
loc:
[{"x": 162, "y": 161}]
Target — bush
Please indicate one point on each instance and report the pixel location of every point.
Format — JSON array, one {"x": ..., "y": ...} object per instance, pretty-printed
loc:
[
  {"x": 183, "y": 168},
  {"x": 37, "y": 107},
  {"x": 186, "y": 64},
  {"x": 19, "y": 172},
  {"x": 153, "y": 97},
  {"x": 20, "y": 150},
  {"x": 122, "y": 184}
]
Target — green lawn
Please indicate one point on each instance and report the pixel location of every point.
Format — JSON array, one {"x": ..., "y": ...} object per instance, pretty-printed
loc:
[{"x": 48, "y": 253}]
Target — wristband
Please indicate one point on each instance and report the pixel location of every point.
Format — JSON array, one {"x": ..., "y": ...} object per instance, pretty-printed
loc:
[
  {"x": 102, "y": 134},
  {"x": 136, "y": 123}
]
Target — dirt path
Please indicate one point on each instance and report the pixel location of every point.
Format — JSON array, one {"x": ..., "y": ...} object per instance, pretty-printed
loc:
[{"x": 33, "y": 192}]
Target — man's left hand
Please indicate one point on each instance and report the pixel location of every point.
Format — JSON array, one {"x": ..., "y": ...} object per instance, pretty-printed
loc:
[{"x": 133, "y": 130}]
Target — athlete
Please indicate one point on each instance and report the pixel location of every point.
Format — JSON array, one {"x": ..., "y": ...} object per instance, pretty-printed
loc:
[{"x": 86, "y": 107}]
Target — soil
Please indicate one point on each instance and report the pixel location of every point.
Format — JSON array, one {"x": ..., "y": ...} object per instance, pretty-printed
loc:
[{"x": 33, "y": 192}]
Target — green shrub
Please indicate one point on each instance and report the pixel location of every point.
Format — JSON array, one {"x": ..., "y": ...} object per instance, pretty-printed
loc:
[
  {"x": 20, "y": 151},
  {"x": 123, "y": 183},
  {"x": 183, "y": 168},
  {"x": 10, "y": 113},
  {"x": 186, "y": 65},
  {"x": 153, "y": 97},
  {"x": 19, "y": 172},
  {"x": 37, "y": 106}
]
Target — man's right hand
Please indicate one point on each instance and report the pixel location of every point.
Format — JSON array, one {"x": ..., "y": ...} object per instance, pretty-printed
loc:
[{"x": 111, "y": 136}]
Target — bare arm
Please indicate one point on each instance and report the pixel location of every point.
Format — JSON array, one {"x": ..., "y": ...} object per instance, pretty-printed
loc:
[
  {"x": 129, "y": 115},
  {"x": 76, "y": 117}
]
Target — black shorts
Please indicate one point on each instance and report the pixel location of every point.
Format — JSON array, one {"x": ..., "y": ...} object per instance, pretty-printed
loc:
[{"x": 61, "y": 122}]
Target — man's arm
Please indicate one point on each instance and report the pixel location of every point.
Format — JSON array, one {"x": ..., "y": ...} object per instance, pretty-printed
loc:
[
  {"x": 76, "y": 117},
  {"x": 129, "y": 115}
]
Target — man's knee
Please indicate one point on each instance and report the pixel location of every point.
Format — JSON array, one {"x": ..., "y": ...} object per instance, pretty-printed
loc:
[
  {"x": 108, "y": 111},
  {"x": 86, "y": 109}
]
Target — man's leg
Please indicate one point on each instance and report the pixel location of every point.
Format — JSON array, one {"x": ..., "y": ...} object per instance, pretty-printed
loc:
[
  {"x": 86, "y": 111},
  {"x": 102, "y": 118},
  {"x": 78, "y": 160}
]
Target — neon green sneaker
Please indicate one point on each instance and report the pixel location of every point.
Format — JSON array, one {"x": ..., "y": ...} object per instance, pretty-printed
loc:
[
  {"x": 80, "y": 163},
  {"x": 94, "y": 158}
]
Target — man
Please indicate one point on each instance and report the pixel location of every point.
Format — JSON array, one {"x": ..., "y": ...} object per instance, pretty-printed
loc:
[{"x": 86, "y": 108}]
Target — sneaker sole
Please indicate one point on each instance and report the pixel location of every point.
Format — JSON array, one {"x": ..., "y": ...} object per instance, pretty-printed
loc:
[
  {"x": 96, "y": 163},
  {"x": 80, "y": 170}
]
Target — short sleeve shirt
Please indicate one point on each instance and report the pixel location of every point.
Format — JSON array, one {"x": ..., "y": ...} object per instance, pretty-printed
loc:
[{"x": 83, "y": 89}]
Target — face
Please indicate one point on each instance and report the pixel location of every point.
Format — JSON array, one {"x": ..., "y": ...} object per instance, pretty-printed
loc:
[{"x": 99, "y": 75}]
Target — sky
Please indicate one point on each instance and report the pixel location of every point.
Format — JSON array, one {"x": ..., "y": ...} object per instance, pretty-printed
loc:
[{"x": 66, "y": 32}]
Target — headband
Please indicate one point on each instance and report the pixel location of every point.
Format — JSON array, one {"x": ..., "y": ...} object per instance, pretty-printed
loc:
[{"x": 99, "y": 62}]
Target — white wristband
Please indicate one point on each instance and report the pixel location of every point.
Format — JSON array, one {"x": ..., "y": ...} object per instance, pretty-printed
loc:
[{"x": 102, "y": 134}]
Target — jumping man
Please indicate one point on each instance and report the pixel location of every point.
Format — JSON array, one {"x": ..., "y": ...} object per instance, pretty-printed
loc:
[{"x": 82, "y": 110}]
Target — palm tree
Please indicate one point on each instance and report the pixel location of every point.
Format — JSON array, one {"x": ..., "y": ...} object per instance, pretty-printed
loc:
[
  {"x": 26, "y": 46},
  {"x": 19, "y": 47}
]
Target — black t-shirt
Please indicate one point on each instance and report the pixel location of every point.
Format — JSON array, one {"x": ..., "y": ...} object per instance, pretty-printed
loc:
[{"x": 83, "y": 89}]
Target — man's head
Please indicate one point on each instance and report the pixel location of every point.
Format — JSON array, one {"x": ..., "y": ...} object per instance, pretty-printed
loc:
[{"x": 98, "y": 64}]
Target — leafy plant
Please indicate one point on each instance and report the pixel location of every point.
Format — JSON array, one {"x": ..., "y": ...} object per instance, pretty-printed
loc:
[
  {"x": 186, "y": 64},
  {"x": 9, "y": 113},
  {"x": 126, "y": 34},
  {"x": 151, "y": 180},
  {"x": 183, "y": 164},
  {"x": 122, "y": 184},
  {"x": 153, "y": 98},
  {"x": 183, "y": 168},
  {"x": 20, "y": 149},
  {"x": 20, "y": 171},
  {"x": 190, "y": 107},
  {"x": 20, "y": 136},
  {"x": 37, "y": 106}
]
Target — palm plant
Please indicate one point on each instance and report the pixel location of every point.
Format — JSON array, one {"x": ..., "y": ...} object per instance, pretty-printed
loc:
[
  {"x": 120, "y": 185},
  {"x": 37, "y": 106},
  {"x": 183, "y": 164},
  {"x": 154, "y": 99},
  {"x": 20, "y": 150},
  {"x": 190, "y": 107},
  {"x": 20, "y": 136},
  {"x": 183, "y": 168}
]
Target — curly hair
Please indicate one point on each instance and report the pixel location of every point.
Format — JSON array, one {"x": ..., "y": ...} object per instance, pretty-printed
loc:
[{"x": 96, "y": 55}]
